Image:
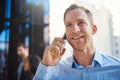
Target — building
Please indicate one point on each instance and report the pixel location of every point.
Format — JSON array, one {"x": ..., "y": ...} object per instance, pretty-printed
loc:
[{"x": 116, "y": 46}]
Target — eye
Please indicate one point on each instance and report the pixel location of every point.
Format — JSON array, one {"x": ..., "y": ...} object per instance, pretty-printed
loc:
[
  {"x": 81, "y": 23},
  {"x": 68, "y": 25}
]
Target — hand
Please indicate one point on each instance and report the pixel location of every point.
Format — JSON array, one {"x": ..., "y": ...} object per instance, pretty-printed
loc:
[{"x": 53, "y": 53}]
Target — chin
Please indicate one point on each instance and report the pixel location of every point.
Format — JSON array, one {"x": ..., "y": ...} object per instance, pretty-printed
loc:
[{"x": 80, "y": 48}]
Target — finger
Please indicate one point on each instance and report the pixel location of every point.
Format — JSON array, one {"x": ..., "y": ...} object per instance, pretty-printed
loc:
[
  {"x": 58, "y": 45},
  {"x": 58, "y": 40},
  {"x": 54, "y": 51},
  {"x": 62, "y": 51}
]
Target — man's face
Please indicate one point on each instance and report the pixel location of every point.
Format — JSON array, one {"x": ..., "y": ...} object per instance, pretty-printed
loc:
[
  {"x": 79, "y": 31},
  {"x": 21, "y": 51}
]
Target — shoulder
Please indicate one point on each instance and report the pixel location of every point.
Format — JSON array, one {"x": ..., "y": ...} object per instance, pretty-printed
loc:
[
  {"x": 108, "y": 60},
  {"x": 67, "y": 62}
]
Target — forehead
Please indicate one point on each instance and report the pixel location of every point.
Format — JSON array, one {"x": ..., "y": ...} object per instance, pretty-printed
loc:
[{"x": 75, "y": 14}]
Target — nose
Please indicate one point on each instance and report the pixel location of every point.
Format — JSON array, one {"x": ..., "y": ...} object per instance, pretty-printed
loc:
[{"x": 76, "y": 28}]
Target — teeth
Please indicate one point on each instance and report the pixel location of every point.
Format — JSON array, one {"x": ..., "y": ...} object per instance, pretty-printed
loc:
[{"x": 77, "y": 37}]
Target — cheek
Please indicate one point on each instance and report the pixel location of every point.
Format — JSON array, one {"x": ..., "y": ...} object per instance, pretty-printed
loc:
[
  {"x": 68, "y": 32},
  {"x": 67, "y": 35}
]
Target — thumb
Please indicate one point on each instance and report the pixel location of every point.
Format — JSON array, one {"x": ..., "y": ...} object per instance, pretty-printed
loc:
[{"x": 62, "y": 51}]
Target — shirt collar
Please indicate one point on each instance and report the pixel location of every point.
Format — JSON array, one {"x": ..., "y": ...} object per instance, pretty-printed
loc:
[
  {"x": 98, "y": 58},
  {"x": 97, "y": 61}
]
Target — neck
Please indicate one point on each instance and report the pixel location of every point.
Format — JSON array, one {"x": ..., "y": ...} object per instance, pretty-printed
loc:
[{"x": 84, "y": 57}]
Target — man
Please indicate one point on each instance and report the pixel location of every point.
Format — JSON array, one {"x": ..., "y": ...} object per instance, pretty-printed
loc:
[
  {"x": 87, "y": 63},
  {"x": 23, "y": 53},
  {"x": 30, "y": 66}
]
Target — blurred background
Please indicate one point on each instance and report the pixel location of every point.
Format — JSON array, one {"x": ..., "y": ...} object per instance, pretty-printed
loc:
[{"x": 36, "y": 22}]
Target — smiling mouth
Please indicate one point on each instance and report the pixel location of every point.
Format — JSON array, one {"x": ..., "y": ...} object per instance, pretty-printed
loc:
[{"x": 77, "y": 37}]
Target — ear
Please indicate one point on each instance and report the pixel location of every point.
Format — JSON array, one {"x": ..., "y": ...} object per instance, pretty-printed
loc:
[{"x": 94, "y": 29}]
